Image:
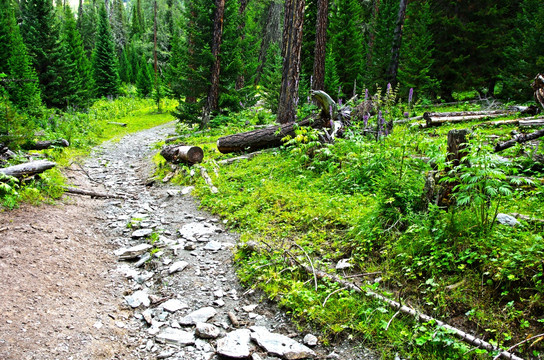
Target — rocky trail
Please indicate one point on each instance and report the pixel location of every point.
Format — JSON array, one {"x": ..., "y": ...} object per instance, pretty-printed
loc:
[{"x": 79, "y": 280}]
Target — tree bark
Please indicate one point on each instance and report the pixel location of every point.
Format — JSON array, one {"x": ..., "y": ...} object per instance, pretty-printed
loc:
[
  {"x": 457, "y": 142},
  {"x": 291, "y": 49},
  {"x": 213, "y": 94},
  {"x": 272, "y": 34},
  {"x": 240, "y": 80},
  {"x": 397, "y": 41},
  {"x": 519, "y": 139},
  {"x": 185, "y": 154},
  {"x": 262, "y": 138},
  {"x": 320, "y": 45},
  {"x": 28, "y": 169}
]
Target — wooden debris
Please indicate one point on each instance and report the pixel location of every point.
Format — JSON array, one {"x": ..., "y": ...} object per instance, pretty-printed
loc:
[
  {"x": 259, "y": 139},
  {"x": 431, "y": 121},
  {"x": 183, "y": 154},
  {"x": 117, "y": 123},
  {"x": 28, "y": 169},
  {"x": 90, "y": 193},
  {"x": 538, "y": 87},
  {"x": 46, "y": 144},
  {"x": 238, "y": 158},
  {"x": 208, "y": 179},
  {"x": 233, "y": 319},
  {"x": 520, "y": 138}
]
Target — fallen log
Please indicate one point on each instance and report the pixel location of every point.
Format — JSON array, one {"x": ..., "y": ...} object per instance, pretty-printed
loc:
[
  {"x": 263, "y": 138},
  {"x": 46, "y": 144},
  {"x": 183, "y": 154},
  {"x": 534, "y": 122},
  {"x": 465, "y": 113},
  {"x": 437, "y": 121},
  {"x": 462, "y": 335},
  {"x": 28, "y": 169},
  {"x": 90, "y": 193},
  {"x": 238, "y": 158},
  {"x": 117, "y": 123},
  {"x": 520, "y": 122},
  {"x": 520, "y": 138}
]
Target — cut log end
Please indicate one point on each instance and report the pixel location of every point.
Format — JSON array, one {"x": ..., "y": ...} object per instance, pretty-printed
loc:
[{"x": 183, "y": 154}]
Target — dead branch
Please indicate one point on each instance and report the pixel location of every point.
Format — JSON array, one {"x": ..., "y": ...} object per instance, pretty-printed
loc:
[
  {"x": 28, "y": 169},
  {"x": 520, "y": 138}
]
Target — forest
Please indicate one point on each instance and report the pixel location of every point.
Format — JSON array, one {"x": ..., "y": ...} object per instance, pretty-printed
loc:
[{"x": 402, "y": 155}]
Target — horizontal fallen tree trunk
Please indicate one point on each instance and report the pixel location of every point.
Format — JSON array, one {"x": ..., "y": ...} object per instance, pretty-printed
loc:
[
  {"x": 465, "y": 113},
  {"x": 520, "y": 122},
  {"x": 117, "y": 123},
  {"x": 46, "y": 144},
  {"x": 534, "y": 122},
  {"x": 238, "y": 158},
  {"x": 263, "y": 138},
  {"x": 183, "y": 154},
  {"x": 90, "y": 193},
  {"x": 28, "y": 169},
  {"x": 437, "y": 121},
  {"x": 521, "y": 138}
]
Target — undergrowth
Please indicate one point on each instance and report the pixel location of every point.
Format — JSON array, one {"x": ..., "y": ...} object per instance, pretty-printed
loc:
[{"x": 361, "y": 201}]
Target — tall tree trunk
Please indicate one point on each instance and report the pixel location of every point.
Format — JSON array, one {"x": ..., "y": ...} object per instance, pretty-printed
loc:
[
  {"x": 272, "y": 34},
  {"x": 395, "y": 48},
  {"x": 213, "y": 93},
  {"x": 290, "y": 51},
  {"x": 155, "y": 56},
  {"x": 320, "y": 45},
  {"x": 240, "y": 81}
]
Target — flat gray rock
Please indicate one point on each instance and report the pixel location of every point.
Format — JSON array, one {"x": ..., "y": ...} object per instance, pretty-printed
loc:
[
  {"x": 235, "y": 345},
  {"x": 177, "y": 266},
  {"x": 310, "y": 340},
  {"x": 192, "y": 231},
  {"x": 200, "y": 315},
  {"x": 213, "y": 246},
  {"x": 132, "y": 252},
  {"x": 280, "y": 345},
  {"x": 140, "y": 233},
  {"x": 206, "y": 331},
  {"x": 174, "y": 305},
  {"x": 138, "y": 298},
  {"x": 176, "y": 336}
]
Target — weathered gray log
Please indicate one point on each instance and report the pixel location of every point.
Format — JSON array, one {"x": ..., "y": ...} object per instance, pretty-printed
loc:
[
  {"x": 527, "y": 123},
  {"x": 325, "y": 102},
  {"x": 117, "y": 123},
  {"x": 465, "y": 113},
  {"x": 538, "y": 87},
  {"x": 259, "y": 139},
  {"x": 183, "y": 154},
  {"x": 90, "y": 193},
  {"x": 520, "y": 138},
  {"x": 28, "y": 169},
  {"x": 238, "y": 158},
  {"x": 457, "y": 143},
  {"x": 46, "y": 144},
  {"x": 437, "y": 121}
]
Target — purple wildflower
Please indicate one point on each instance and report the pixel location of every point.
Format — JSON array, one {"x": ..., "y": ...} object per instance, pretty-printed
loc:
[
  {"x": 330, "y": 110},
  {"x": 339, "y": 101},
  {"x": 410, "y": 95},
  {"x": 388, "y": 88},
  {"x": 366, "y": 94},
  {"x": 241, "y": 105},
  {"x": 365, "y": 119},
  {"x": 406, "y": 114}
]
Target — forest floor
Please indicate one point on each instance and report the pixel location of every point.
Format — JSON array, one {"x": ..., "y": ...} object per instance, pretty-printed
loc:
[{"x": 64, "y": 294}]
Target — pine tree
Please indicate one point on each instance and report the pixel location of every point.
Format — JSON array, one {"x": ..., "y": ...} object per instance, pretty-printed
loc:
[
  {"x": 41, "y": 33},
  {"x": 78, "y": 86},
  {"x": 105, "y": 69},
  {"x": 271, "y": 78},
  {"x": 345, "y": 37},
  {"x": 144, "y": 80},
  {"x": 417, "y": 51},
  {"x": 21, "y": 83},
  {"x": 119, "y": 26},
  {"x": 86, "y": 25}
]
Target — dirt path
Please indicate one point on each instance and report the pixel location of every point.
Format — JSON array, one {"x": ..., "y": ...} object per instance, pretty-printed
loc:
[{"x": 65, "y": 294}]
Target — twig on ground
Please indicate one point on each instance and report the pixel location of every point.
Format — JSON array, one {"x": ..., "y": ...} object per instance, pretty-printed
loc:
[{"x": 331, "y": 294}]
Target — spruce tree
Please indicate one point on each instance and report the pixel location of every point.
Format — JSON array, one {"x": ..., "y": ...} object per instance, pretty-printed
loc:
[
  {"x": 345, "y": 38},
  {"x": 417, "y": 51},
  {"x": 86, "y": 24},
  {"x": 144, "y": 80},
  {"x": 78, "y": 89},
  {"x": 41, "y": 32},
  {"x": 105, "y": 69},
  {"x": 21, "y": 82}
]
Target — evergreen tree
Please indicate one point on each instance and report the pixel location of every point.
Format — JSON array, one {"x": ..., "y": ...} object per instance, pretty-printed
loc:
[
  {"x": 21, "y": 82},
  {"x": 125, "y": 67},
  {"x": 271, "y": 78},
  {"x": 41, "y": 33},
  {"x": 345, "y": 37},
  {"x": 105, "y": 69},
  {"x": 118, "y": 26},
  {"x": 78, "y": 86},
  {"x": 417, "y": 51},
  {"x": 144, "y": 80},
  {"x": 308, "y": 41},
  {"x": 332, "y": 80},
  {"x": 86, "y": 25}
]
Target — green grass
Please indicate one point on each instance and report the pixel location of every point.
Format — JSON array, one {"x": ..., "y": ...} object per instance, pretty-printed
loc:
[
  {"x": 83, "y": 130},
  {"x": 362, "y": 200}
]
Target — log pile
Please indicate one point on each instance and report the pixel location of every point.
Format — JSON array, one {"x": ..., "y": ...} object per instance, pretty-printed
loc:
[{"x": 438, "y": 119}]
